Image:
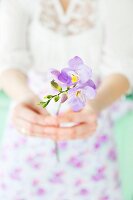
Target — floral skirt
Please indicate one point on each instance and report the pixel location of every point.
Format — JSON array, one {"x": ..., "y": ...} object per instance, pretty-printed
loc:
[{"x": 88, "y": 168}]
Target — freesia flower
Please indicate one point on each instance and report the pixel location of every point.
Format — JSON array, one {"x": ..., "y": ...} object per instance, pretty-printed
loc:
[
  {"x": 81, "y": 70},
  {"x": 76, "y": 72},
  {"x": 78, "y": 96},
  {"x": 72, "y": 84}
]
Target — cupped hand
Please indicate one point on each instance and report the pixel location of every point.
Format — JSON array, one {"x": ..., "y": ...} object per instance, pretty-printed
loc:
[
  {"x": 31, "y": 120},
  {"x": 85, "y": 125}
]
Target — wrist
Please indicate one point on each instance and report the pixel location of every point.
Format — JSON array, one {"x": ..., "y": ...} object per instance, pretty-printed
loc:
[
  {"x": 27, "y": 97},
  {"x": 15, "y": 84}
]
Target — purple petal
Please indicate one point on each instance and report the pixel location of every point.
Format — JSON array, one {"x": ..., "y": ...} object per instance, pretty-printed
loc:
[
  {"x": 91, "y": 84},
  {"x": 89, "y": 92},
  {"x": 64, "y": 77},
  {"x": 70, "y": 73},
  {"x": 76, "y": 103},
  {"x": 55, "y": 73},
  {"x": 73, "y": 91},
  {"x": 75, "y": 62},
  {"x": 84, "y": 73}
]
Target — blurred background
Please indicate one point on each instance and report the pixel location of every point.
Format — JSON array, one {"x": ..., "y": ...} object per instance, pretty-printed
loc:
[{"x": 124, "y": 142}]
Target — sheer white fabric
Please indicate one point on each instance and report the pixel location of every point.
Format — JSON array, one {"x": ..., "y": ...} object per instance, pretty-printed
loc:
[
  {"x": 14, "y": 51},
  {"x": 38, "y": 34},
  {"x": 78, "y": 18}
]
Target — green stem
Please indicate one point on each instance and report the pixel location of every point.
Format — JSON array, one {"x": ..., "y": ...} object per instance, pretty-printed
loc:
[
  {"x": 45, "y": 103},
  {"x": 56, "y": 143},
  {"x": 61, "y": 93},
  {"x": 58, "y": 110}
]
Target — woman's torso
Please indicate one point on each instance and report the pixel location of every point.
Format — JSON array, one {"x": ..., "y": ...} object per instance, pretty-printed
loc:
[{"x": 54, "y": 36}]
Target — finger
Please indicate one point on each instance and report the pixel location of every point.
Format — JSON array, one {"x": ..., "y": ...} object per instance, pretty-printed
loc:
[
  {"x": 38, "y": 108},
  {"x": 29, "y": 127},
  {"x": 41, "y": 110},
  {"x": 77, "y": 117},
  {"x": 73, "y": 133},
  {"x": 31, "y": 116},
  {"x": 84, "y": 131},
  {"x": 32, "y": 129}
]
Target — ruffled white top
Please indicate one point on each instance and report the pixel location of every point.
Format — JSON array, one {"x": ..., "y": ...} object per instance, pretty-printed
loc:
[{"x": 39, "y": 35}]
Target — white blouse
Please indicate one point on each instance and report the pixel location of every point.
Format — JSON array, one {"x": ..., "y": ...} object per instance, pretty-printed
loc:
[{"x": 38, "y": 34}]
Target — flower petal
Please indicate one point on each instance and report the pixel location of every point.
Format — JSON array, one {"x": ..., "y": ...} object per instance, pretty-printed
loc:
[
  {"x": 54, "y": 72},
  {"x": 73, "y": 76},
  {"x": 84, "y": 73},
  {"x": 63, "y": 77},
  {"x": 76, "y": 103},
  {"x": 89, "y": 92},
  {"x": 91, "y": 84},
  {"x": 72, "y": 91},
  {"x": 75, "y": 62}
]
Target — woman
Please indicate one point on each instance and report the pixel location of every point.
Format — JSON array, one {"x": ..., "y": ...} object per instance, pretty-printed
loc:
[{"x": 41, "y": 34}]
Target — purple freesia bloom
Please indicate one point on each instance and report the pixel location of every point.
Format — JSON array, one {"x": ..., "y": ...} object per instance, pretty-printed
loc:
[
  {"x": 79, "y": 95},
  {"x": 76, "y": 72},
  {"x": 62, "y": 77},
  {"x": 65, "y": 78},
  {"x": 77, "y": 65},
  {"x": 76, "y": 77}
]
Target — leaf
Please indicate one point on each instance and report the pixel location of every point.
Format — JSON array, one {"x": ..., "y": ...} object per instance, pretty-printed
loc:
[
  {"x": 56, "y": 98},
  {"x": 44, "y": 104},
  {"x": 49, "y": 96},
  {"x": 56, "y": 86}
]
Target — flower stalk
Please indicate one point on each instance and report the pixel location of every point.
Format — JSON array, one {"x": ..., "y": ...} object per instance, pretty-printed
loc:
[{"x": 56, "y": 143}]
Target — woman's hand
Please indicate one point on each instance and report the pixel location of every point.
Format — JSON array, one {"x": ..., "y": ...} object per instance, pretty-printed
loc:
[
  {"x": 86, "y": 124},
  {"x": 31, "y": 120}
]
